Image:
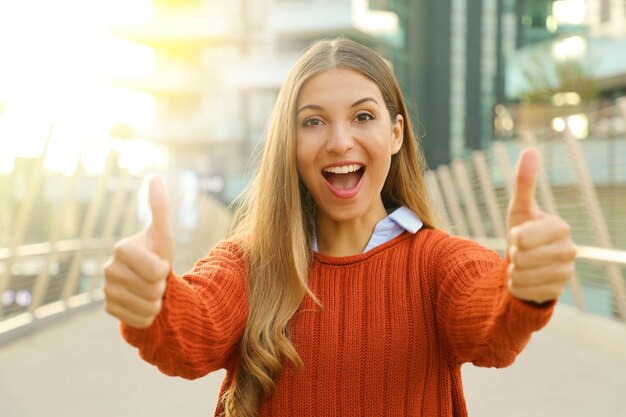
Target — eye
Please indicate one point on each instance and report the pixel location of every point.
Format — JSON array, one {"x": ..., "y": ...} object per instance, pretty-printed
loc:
[
  {"x": 312, "y": 121},
  {"x": 363, "y": 117}
]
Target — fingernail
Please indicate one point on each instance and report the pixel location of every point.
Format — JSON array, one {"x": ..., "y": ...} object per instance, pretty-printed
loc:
[{"x": 513, "y": 235}]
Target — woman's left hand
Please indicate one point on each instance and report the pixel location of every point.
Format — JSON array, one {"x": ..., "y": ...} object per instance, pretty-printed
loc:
[{"x": 541, "y": 250}]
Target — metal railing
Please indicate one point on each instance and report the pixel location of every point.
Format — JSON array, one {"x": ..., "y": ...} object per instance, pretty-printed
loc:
[
  {"x": 58, "y": 230},
  {"x": 584, "y": 181}
]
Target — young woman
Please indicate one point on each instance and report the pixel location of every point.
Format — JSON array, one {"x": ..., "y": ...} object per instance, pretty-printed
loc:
[{"x": 337, "y": 295}]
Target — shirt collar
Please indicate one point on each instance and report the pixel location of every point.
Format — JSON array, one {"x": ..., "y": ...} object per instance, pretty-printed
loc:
[
  {"x": 405, "y": 218},
  {"x": 402, "y": 218}
]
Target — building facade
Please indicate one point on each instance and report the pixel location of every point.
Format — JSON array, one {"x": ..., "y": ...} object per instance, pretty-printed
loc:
[
  {"x": 453, "y": 74},
  {"x": 463, "y": 66},
  {"x": 219, "y": 66}
]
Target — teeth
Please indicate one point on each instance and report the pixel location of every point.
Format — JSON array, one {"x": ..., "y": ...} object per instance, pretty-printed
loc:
[{"x": 343, "y": 169}]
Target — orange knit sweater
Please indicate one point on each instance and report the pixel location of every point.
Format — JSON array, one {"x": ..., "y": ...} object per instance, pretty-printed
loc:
[{"x": 397, "y": 323}]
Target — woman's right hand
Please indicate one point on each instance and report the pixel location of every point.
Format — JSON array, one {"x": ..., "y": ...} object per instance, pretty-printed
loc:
[{"x": 136, "y": 274}]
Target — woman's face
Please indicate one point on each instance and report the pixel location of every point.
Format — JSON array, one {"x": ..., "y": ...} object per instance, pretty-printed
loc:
[{"x": 344, "y": 142}]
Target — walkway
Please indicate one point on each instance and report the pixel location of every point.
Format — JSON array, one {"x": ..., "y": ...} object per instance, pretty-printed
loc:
[{"x": 81, "y": 367}]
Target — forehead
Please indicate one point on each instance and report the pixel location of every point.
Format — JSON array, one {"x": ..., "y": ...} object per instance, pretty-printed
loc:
[{"x": 336, "y": 84}]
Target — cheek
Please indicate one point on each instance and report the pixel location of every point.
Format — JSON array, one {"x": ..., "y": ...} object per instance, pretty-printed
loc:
[{"x": 307, "y": 149}]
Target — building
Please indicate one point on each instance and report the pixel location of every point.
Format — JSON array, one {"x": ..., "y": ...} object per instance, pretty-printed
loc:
[
  {"x": 219, "y": 66},
  {"x": 452, "y": 70},
  {"x": 580, "y": 68},
  {"x": 466, "y": 66}
]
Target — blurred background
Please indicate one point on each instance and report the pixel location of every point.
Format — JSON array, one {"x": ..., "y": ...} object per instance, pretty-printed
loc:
[{"x": 97, "y": 96}]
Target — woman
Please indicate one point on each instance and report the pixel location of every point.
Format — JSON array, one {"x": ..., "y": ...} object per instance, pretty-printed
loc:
[{"x": 336, "y": 294}]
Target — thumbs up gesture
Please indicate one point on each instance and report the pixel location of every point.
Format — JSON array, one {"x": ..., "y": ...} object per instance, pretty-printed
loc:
[
  {"x": 541, "y": 250},
  {"x": 136, "y": 274}
]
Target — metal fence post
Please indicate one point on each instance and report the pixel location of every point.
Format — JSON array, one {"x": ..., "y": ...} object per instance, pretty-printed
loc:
[
  {"x": 130, "y": 220},
  {"x": 41, "y": 281},
  {"x": 469, "y": 202},
  {"x": 435, "y": 195},
  {"x": 499, "y": 150},
  {"x": 449, "y": 193},
  {"x": 482, "y": 170},
  {"x": 88, "y": 227},
  {"x": 111, "y": 221},
  {"x": 24, "y": 215}
]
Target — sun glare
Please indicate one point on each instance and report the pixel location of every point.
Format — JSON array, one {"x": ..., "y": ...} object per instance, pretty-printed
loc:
[{"x": 58, "y": 58}]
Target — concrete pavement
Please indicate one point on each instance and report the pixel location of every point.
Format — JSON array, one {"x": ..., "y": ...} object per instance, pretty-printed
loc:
[{"x": 567, "y": 370}]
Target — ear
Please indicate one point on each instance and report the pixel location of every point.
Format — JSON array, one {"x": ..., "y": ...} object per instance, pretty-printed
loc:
[{"x": 397, "y": 134}]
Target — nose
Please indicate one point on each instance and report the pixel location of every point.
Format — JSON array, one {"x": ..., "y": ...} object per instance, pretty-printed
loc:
[{"x": 340, "y": 140}]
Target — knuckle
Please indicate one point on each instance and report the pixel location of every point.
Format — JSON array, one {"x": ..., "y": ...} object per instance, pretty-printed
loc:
[
  {"x": 155, "y": 307},
  {"x": 107, "y": 270},
  {"x": 518, "y": 278},
  {"x": 565, "y": 227},
  {"x": 562, "y": 273},
  {"x": 108, "y": 307},
  {"x": 119, "y": 249},
  {"x": 553, "y": 294},
  {"x": 149, "y": 293},
  {"x": 565, "y": 256},
  {"x": 521, "y": 237},
  {"x": 538, "y": 298},
  {"x": 547, "y": 293},
  {"x": 110, "y": 270},
  {"x": 146, "y": 322},
  {"x": 514, "y": 255},
  {"x": 158, "y": 271},
  {"x": 109, "y": 292},
  {"x": 156, "y": 292}
]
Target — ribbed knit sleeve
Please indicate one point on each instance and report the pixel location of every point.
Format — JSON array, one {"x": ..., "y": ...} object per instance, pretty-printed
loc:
[
  {"x": 202, "y": 319},
  {"x": 479, "y": 320}
]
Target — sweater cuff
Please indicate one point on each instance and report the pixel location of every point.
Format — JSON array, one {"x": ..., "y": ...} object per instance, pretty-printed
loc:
[{"x": 526, "y": 312}]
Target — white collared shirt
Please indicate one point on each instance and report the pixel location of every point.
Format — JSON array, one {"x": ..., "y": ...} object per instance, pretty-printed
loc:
[{"x": 400, "y": 220}]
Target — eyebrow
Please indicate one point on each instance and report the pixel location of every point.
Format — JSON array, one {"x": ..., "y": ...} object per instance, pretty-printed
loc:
[{"x": 317, "y": 107}]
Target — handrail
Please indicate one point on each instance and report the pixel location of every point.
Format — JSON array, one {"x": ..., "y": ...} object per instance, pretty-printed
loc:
[
  {"x": 567, "y": 186},
  {"x": 589, "y": 253},
  {"x": 213, "y": 224},
  {"x": 45, "y": 248}
]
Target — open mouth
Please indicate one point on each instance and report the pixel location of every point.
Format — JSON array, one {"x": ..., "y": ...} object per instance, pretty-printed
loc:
[{"x": 345, "y": 177}]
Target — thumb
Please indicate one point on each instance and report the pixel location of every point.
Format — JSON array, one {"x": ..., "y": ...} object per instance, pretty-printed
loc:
[
  {"x": 160, "y": 230},
  {"x": 523, "y": 206}
]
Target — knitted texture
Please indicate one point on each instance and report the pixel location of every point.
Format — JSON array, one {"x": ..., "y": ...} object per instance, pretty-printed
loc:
[{"x": 397, "y": 323}]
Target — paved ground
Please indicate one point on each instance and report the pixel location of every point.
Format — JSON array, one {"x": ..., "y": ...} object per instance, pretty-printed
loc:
[
  {"x": 561, "y": 373},
  {"x": 81, "y": 367}
]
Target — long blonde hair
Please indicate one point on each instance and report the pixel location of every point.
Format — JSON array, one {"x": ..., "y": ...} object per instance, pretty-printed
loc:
[{"x": 276, "y": 217}]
